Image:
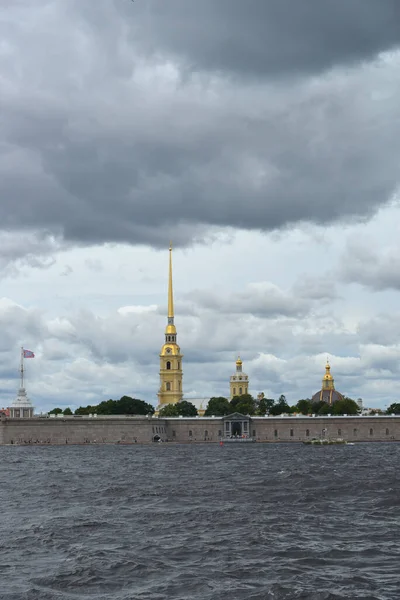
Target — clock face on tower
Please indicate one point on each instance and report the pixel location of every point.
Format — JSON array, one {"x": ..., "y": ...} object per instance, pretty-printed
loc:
[{"x": 168, "y": 350}]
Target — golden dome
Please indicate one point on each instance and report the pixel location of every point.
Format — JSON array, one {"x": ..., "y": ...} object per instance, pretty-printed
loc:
[
  {"x": 170, "y": 329},
  {"x": 239, "y": 362},
  {"x": 328, "y": 371}
]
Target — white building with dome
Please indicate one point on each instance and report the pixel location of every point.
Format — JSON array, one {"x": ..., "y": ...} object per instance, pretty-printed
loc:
[{"x": 21, "y": 407}]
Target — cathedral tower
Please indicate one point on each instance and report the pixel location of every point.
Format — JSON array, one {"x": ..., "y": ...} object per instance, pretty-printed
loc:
[
  {"x": 170, "y": 356},
  {"x": 239, "y": 382}
]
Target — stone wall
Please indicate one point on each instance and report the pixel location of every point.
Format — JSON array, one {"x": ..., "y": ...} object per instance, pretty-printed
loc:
[
  {"x": 77, "y": 430},
  {"x": 352, "y": 429},
  {"x": 130, "y": 430},
  {"x": 188, "y": 429}
]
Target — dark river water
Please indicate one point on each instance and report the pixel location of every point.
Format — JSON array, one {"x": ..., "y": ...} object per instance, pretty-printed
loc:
[{"x": 201, "y": 522}]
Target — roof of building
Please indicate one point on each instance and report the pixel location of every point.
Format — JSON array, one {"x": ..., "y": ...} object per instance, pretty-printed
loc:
[
  {"x": 328, "y": 396},
  {"x": 22, "y": 400}
]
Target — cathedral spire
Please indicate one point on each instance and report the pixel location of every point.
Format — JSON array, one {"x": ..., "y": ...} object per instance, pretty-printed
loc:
[
  {"x": 170, "y": 329},
  {"x": 170, "y": 289},
  {"x": 170, "y": 391}
]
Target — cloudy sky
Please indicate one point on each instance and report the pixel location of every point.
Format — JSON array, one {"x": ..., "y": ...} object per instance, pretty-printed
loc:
[{"x": 261, "y": 136}]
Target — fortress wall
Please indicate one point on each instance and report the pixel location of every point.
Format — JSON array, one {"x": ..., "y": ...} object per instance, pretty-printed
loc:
[
  {"x": 352, "y": 429},
  {"x": 142, "y": 430},
  {"x": 76, "y": 430},
  {"x": 194, "y": 430}
]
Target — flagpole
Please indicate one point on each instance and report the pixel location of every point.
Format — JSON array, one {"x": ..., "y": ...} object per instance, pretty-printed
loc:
[{"x": 22, "y": 367}]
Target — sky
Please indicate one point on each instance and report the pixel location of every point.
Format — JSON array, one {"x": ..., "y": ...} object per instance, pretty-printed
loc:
[{"x": 261, "y": 137}]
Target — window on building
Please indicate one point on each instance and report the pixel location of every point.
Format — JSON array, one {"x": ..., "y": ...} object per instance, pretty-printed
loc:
[
  {"x": 307, "y": 433},
  {"x": 276, "y": 433},
  {"x": 190, "y": 433},
  {"x": 173, "y": 433},
  {"x": 254, "y": 433},
  {"x": 227, "y": 426},
  {"x": 387, "y": 431},
  {"x": 354, "y": 431},
  {"x": 179, "y": 386},
  {"x": 219, "y": 433},
  {"x": 240, "y": 391},
  {"x": 179, "y": 365},
  {"x": 291, "y": 433},
  {"x": 168, "y": 366},
  {"x": 205, "y": 433},
  {"x": 371, "y": 431},
  {"x": 339, "y": 432},
  {"x": 168, "y": 386},
  {"x": 245, "y": 426},
  {"x": 234, "y": 391}
]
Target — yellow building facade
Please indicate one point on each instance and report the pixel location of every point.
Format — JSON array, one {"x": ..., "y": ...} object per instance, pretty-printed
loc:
[
  {"x": 171, "y": 373},
  {"x": 239, "y": 381}
]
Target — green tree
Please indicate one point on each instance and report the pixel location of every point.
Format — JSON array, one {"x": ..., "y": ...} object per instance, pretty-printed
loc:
[
  {"x": 264, "y": 406},
  {"x": 304, "y": 406},
  {"x": 67, "y": 411},
  {"x": 280, "y": 407},
  {"x": 325, "y": 409},
  {"x": 218, "y": 406},
  {"x": 85, "y": 410},
  {"x": 107, "y": 407},
  {"x": 55, "y": 411},
  {"x": 186, "y": 409},
  {"x": 132, "y": 406},
  {"x": 394, "y": 408},
  {"x": 347, "y": 406},
  {"x": 124, "y": 406},
  {"x": 316, "y": 406},
  {"x": 244, "y": 404},
  {"x": 169, "y": 410}
]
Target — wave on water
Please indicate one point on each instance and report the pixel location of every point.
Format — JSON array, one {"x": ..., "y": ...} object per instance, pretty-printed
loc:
[{"x": 201, "y": 522}]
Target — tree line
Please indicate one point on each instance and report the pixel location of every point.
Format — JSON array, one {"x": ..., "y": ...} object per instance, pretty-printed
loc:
[
  {"x": 219, "y": 406},
  {"x": 247, "y": 405},
  {"x": 124, "y": 406}
]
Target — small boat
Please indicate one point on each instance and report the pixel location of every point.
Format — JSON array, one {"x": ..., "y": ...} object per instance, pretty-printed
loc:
[{"x": 325, "y": 441}]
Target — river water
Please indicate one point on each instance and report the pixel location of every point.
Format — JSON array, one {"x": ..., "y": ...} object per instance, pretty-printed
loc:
[{"x": 200, "y": 522}]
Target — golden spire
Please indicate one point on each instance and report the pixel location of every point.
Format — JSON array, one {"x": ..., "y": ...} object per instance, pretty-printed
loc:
[
  {"x": 170, "y": 291},
  {"x": 170, "y": 329}
]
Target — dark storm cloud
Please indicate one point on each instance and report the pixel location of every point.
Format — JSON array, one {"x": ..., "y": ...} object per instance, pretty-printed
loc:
[
  {"x": 98, "y": 144},
  {"x": 268, "y": 37}
]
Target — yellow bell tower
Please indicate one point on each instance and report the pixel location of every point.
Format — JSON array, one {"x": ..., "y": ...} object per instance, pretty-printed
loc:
[
  {"x": 170, "y": 391},
  {"x": 239, "y": 382}
]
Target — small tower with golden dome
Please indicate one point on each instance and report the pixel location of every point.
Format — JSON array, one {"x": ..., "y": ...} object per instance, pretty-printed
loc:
[
  {"x": 239, "y": 381},
  {"x": 327, "y": 393},
  {"x": 170, "y": 391}
]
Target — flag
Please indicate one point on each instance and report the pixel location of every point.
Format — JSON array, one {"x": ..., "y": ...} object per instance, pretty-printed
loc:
[{"x": 29, "y": 354}]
